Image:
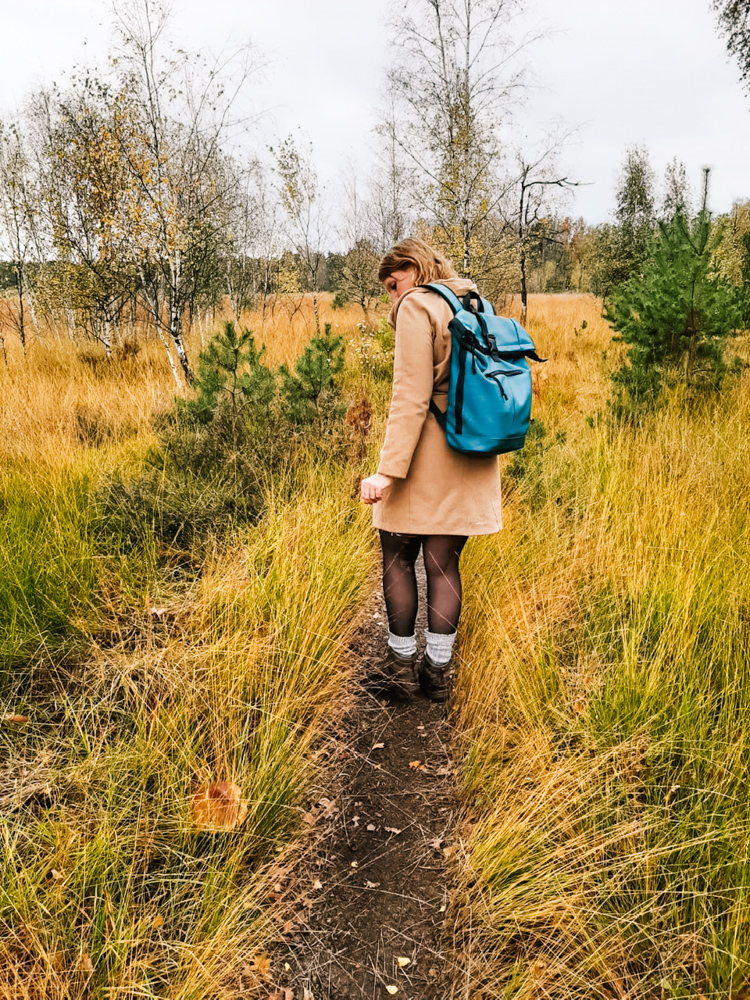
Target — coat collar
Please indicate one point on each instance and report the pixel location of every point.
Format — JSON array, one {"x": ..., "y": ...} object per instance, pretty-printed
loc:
[{"x": 458, "y": 285}]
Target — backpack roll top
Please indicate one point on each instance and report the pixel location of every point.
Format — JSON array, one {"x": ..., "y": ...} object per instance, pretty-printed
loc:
[{"x": 489, "y": 395}]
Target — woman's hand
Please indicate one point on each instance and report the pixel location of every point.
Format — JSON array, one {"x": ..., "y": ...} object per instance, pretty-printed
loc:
[{"x": 371, "y": 489}]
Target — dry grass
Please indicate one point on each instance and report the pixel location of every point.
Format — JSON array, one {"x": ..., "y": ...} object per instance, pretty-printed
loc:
[
  {"x": 66, "y": 396},
  {"x": 602, "y": 699},
  {"x": 601, "y": 705},
  {"x": 143, "y": 684}
]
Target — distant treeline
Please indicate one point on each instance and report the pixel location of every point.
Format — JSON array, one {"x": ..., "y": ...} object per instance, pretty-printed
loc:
[{"x": 125, "y": 197}]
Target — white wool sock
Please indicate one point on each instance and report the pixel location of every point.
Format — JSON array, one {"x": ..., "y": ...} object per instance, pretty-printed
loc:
[
  {"x": 439, "y": 647},
  {"x": 406, "y": 645}
]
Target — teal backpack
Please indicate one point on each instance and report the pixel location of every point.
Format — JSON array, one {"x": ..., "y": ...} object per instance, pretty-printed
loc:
[{"x": 489, "y": 397}]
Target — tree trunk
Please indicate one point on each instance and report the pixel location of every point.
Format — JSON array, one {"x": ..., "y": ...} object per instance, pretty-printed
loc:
[
  {"x": 524, "y": 293},
  {"x": 175, "y": 332},
  {"x": 522, "y": 261},
  {"x": 315, "y": 312},
  {"x": 106, "y": 338},
  {"x": 21, "y": 319},
  {"x": 170, "y": 359},
  {"x": 690, "y": 358}
]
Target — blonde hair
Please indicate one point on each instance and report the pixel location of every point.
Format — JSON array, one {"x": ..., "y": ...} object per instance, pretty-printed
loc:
[{"x": 427, "y": 263}]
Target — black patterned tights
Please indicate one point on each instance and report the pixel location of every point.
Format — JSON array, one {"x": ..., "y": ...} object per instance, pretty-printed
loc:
[{"x": 441, "y": 556}]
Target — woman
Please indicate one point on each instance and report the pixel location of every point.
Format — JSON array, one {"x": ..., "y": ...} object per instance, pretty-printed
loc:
[{"x": 426, "y": 495}]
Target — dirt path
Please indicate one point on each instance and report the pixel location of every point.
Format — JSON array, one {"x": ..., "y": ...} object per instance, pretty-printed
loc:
[{"x": 376, "y": 887}]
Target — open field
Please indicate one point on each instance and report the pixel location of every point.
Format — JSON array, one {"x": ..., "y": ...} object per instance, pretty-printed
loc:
[
  {"x": 601, "y": 708},
  {"x": 145, "y": 676},
  {"x": 603, "y": 700}
]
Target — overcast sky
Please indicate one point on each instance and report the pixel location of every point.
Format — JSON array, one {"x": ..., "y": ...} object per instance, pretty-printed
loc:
[{"x": 625, "y": 72}]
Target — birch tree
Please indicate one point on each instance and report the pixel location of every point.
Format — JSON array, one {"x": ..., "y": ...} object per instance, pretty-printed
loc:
[
  {"x": 19, "y": 218},
  {"x": 307, "y": 223},
  {"x": 734, "y": 24},
  {"x": 456, "y": 84},
  {"x": 176, "y": 121}
]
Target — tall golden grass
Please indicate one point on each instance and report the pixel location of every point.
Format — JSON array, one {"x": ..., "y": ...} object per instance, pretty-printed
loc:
[
  {"x": 144, "y": 687},
  {"x": 603, "y": 697},
  {"x": 601, "y": 705}
]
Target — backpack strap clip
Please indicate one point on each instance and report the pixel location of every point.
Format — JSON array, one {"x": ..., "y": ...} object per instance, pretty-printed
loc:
[
  {"x": 438, "y": 414},
  {"x": 466, "y": 302}
]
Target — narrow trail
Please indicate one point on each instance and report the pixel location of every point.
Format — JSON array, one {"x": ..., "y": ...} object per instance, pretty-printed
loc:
[{"x": 374, "y": 885}]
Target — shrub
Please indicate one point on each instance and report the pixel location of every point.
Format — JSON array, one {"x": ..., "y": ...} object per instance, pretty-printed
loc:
[
  {"x": 219, "y": 451},
  {"x": 375, "y": 351},
  {"x": 675, "y": 315},
  {"x": 312, "y": 393}
]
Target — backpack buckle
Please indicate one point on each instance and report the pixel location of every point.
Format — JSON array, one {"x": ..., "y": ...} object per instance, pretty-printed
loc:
[{"x": 494, "y": 353}]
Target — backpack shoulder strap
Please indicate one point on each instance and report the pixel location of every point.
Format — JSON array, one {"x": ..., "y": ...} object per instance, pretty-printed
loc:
[{"x": 445, "y": 293}]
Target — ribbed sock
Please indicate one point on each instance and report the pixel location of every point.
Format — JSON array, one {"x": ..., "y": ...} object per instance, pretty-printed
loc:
[
  {"x": 406, "y": 645},
  {"x": 439, "y": 647}
]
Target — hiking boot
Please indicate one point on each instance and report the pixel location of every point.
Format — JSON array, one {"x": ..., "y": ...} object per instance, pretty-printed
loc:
[
  {"x": 401, "y": 673},
  {"x": 436, "y": 680}
]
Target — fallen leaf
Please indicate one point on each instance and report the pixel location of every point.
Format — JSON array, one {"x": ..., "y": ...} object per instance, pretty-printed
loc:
[
  {"x": 443, "y": 772},
  {"x": 20, "y": 719},
  {"x": 55, "y": 874},
  {"x": 416, "y": 764},
  {"x": 437, "y": 843},
  {"x": 393, "y": 990},
  {"x": 158, "y": 920},
  {"x": 403, "y": 962},
  {"x": 309, "y": 819},
  {"x": 378, "y": 746},
  {"x": 287, "y": 967},
  {"x": 317, "y": 884},
  {"x": 218, "y": 806},
  {"x": 306, "y": 994},
  {"x": 86, "y": 964},
  {"x": 329, "y": 807},
  {"x": 285, "y": 994},
  {"x": 392, "y": 829},
  {"x": 371, "y": 827},
  {"x": 355, "y": 821},
  {"x": 580, "y": 705},
  {"x": 432, "y": 973},
  {"x": 354, "y": 864},
  {"x": 261, "y": 966},
  {"x": 372, "y": 885}
]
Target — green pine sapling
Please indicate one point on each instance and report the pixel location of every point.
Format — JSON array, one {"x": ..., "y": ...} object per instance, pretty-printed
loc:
[
  {"x": 675, "y": 315},
  {"x": 311, "y": 392},
  {"x": 230, "y": 369}
]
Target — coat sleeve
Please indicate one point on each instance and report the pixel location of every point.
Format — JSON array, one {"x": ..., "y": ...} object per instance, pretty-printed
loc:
[{"x": 412, "y": 386}]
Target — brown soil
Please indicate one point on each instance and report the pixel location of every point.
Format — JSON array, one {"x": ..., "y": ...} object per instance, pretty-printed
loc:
[{"x": 374, "y": 883}]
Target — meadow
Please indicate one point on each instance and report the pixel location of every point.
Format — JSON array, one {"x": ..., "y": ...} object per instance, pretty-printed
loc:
[{"x": 601, "y": 708}]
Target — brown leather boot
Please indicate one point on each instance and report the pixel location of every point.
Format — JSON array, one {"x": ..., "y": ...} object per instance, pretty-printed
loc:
[
  {"x": 401, "y": 673},
  {"x": 436, "y": 680}
]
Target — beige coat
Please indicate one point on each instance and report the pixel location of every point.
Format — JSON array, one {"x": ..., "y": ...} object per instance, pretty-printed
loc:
[{"x": 436, "y": 491}]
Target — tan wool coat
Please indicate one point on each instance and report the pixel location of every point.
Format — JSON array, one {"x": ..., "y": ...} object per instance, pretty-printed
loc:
[{"x": 436, "y": 490}]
